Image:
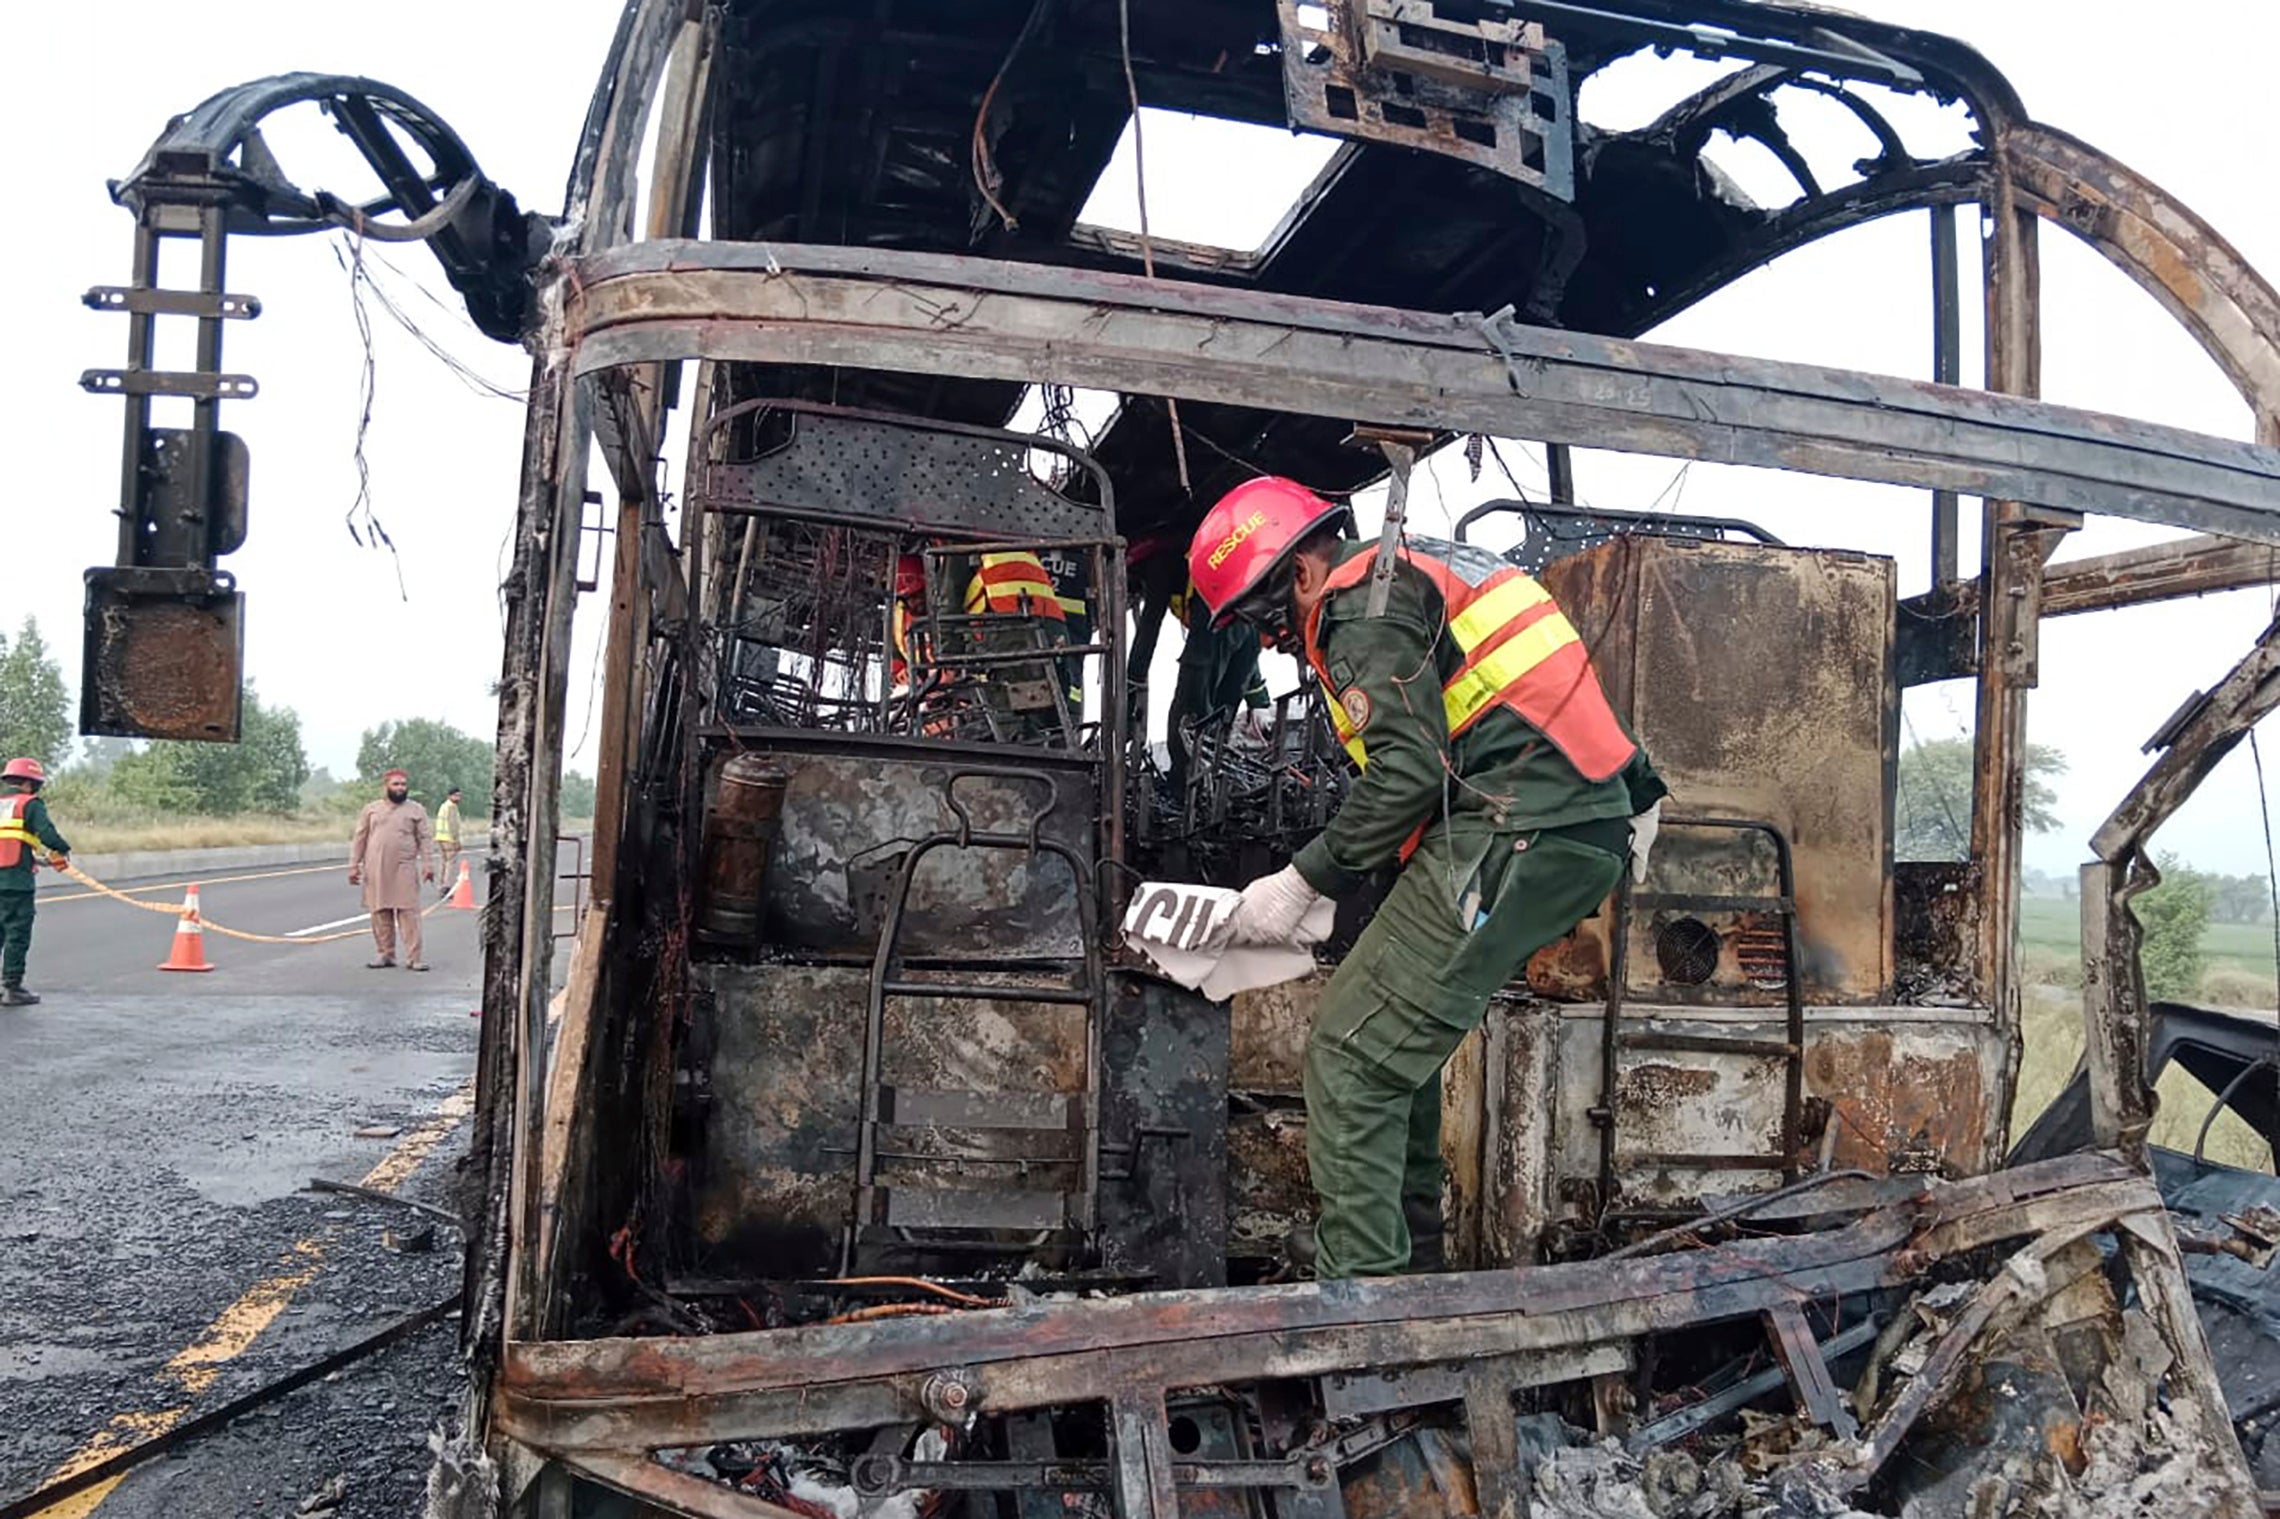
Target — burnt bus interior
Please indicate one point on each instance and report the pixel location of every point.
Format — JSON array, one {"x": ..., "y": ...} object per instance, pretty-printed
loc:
[{"x": 856, "y": 1151}]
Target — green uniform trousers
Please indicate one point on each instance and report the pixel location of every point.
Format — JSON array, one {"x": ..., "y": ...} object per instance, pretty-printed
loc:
[
  {"x": 15, "y": 935},
  {"x": 1469, "y": 909}
]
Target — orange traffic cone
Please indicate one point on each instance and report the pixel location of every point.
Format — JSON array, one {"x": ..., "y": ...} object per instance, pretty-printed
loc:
[
  {"x": 189, "y": 952},
  {"x": 463, "y": 894}
]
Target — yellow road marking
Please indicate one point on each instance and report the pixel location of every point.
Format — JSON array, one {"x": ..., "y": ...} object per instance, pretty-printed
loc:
[
  {"x": 267, "y": 875},
  {"x": 236, "y": 1327}
]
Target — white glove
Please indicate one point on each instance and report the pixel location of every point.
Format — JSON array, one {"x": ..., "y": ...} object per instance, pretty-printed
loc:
[
  {"x": 1644, "y": 827},
  {"x": 1271, "y": 909},
  {"x": 1249, "y": 730}
]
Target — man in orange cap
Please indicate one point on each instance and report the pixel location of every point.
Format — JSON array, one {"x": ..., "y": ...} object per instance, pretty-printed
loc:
[
  {"x": 1492, "y": 768},
  {"x": 24, "y": 831},
  {"x": 388, "y": 857}
]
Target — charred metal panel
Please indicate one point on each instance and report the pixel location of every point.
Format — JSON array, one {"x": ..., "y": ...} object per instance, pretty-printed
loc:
[
  {"x": 916, "y": 476},
  {"x": 1760, "y": 679},
  {"x": 1267, "y": 1186},
  {"x": 1493, "y": 93},
  {"x": 1935, "y": 911},
  {"x": 1910, "y": 1090},
  {"x": 1163, "y": 1190},
  {"x": 851, "y": 812},
  {"x": 771, "y": 1171}
]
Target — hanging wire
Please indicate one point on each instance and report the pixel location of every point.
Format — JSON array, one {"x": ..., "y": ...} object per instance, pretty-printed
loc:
[
  {"x": 371, "y": 533},
  {"x": 980, "y": 159},
  {"x": 2272, "y": 884},
  {"x": 468, "y": 376},
  {"x": 1147, "y": 241}
]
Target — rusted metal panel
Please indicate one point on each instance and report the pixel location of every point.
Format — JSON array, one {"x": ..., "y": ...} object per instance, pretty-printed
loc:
[
  {"x": 937, "y": 314},
  {"x": 160, "y": 662},
  {"x": 1699, "y": 644},
  {"x": 1268, "y": 1029},
  {"x": 1913, "y": 1097},
  {"x": 1908, "y": 1090}
]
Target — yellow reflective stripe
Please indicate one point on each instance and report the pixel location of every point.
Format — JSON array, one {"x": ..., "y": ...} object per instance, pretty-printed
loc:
[
  {"x": 1343, "y": 726},
  {"x": 1074, "y": 605},
  {"x": 979, "y": 591},
  {"x": 1472, "y": 627},
  {"x": 15, "y": 830},
  {"x": 1478, "y": 685}
]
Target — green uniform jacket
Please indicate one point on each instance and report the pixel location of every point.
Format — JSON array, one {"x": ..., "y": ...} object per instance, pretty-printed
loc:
[
  {"x": 1501, "y": 771},
  {"x": 18, "y": 877}
]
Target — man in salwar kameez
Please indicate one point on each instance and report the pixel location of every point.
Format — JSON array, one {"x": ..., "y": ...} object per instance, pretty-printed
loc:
[{"x": 392, "y": 850}]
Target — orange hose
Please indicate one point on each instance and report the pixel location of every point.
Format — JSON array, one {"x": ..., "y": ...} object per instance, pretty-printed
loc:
[
  {"x": 888, "y": 1311},
  {"x": 919, "y": 1282}
]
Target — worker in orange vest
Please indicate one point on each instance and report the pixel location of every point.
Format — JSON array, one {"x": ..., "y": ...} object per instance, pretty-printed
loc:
[
  {"x": 24, "y": 831},
  {"x": 1492, "y": 769},
  {"x": 1015, "y": 583}
]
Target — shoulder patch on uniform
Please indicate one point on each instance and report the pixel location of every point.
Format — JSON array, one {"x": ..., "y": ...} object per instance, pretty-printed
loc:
[
  {"x": 1356, "y": 701},
  {"x": 1342, "y": 672}
]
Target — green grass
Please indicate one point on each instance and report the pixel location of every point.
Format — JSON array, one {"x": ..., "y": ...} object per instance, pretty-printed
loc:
[
  {"x": 2052, "y": 1024},
  {"x": 2239, "y": 975},
  {"x": 2054, "y": 925}
]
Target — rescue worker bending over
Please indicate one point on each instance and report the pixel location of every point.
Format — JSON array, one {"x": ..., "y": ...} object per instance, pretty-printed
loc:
[
  {"x": 1219, "y": 664},
  {"x": 24, "y": 830},
  {"x": 1492, "y": 767}
]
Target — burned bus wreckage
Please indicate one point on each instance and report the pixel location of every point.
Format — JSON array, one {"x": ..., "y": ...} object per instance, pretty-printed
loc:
[{"x": 857, "y": 1167}]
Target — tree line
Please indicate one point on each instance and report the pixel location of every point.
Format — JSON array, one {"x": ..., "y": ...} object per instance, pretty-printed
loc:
[{"x": 267, "y": 771}]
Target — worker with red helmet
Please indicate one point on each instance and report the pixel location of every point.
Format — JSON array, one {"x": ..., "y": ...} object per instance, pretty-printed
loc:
[
  {"x": 24, "y": 831},
  {"x": 909, "y": 605},
  {"x": 1492, "y": 768}
]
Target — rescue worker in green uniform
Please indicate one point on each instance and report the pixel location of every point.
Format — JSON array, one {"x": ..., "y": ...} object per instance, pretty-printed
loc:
[
  {"x": 1219, "y": 675},
  {"x": 24, "y": 831},
  {"x": 1491, "y": 767}
]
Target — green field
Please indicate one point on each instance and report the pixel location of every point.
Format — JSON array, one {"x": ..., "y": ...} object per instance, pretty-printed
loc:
[
  {"x": 2239, "y": 975},
  {"x": 2050, "y": 927}
]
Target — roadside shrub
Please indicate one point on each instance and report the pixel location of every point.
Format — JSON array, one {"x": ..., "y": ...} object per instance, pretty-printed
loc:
[
  {"x": 2050, "y": 967},
  {"x": 2226, "y": 987}
]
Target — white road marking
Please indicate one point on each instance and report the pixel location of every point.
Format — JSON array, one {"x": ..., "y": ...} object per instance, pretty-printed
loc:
[{"x": 325, "y": 928}]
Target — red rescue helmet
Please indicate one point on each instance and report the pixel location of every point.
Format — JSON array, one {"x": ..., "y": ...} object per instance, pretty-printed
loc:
[
  {"x": 26, "y": 770},
  {"x": 910, "y": 576},
  {"x": 1246, "y": 537}
]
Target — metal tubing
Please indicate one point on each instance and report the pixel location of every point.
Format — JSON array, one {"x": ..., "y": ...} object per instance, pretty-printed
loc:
[
  {"x": 877, "y": 309},
  {"x": 1947, "y": 369}
]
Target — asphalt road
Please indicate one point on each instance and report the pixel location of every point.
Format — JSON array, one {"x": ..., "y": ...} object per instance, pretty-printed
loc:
[{"x": 158, "y": 1252}]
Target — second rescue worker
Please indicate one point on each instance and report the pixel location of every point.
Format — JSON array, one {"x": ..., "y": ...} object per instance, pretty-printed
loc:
[{"x": 1492, "y": 768}]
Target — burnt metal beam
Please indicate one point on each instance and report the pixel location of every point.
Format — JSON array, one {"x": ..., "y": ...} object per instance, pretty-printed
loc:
[
  {"x": 937, "y": 314},
  {"x": 2172, "y": 254},
  {"x": 626, "y": 1394},
  {"x": 2196, "y": 566},
  {"x": 2192, "y": 743}
]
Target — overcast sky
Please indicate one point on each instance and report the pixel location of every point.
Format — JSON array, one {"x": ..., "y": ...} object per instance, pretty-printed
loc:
[{"x": 330, "y": 633}]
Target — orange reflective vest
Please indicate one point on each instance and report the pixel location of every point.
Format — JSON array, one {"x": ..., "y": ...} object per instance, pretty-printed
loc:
[
  {"x": 899, "y": 623},
  {"x": 1516, "y": 648},
  {"x": 15, "y": 838},
  {"x": 1014, "y": 583}
]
